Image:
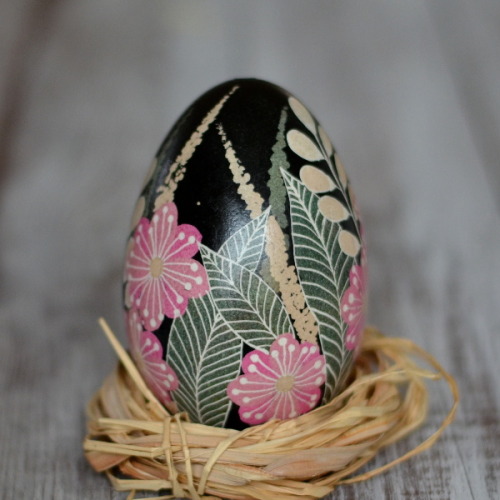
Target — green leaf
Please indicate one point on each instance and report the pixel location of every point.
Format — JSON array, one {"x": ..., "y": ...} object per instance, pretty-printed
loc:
[
  {"x": 277, "y": 190},
  {"x": 206, "y": 356},
  {"x": 248, "y": 305},
  {"x": 323, "y": 271},
  {"x": 245, "y": 246}
]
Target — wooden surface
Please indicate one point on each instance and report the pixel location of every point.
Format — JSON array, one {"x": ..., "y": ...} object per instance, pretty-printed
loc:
[{"x": 407, "y": 90}]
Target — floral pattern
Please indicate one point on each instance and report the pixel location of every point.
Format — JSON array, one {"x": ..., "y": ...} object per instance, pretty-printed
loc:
[
  {"x": 283, "y": 383},
  {"x": 353, "y": 306},
  {"x": 160, "y": 270},
  {"x": 318, "y": 149},
  {"x": 147, "y": 353},
  {"x": 263, "y": 320}
]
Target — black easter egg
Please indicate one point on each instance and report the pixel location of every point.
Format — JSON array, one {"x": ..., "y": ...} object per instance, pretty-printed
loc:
[{"x": 244, "y": 282}]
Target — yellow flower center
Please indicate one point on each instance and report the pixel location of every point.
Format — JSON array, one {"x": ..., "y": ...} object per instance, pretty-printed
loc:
[
  {"x": 285, "y": 383},
  {"x": 156, "y": 267}
]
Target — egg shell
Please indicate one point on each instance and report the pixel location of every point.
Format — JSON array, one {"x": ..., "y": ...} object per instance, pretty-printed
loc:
[{"x": 244, "y": 281}]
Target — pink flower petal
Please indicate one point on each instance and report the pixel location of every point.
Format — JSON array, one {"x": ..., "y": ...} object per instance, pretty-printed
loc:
[
  {"x": 282, "y": 384},
  {"x": 187, "y": 277},
  {"x": 352, "y": 307},
  {"x": 174, "y": 304},
  {"x": 164, "y": 222},
  {"x": 186, "y": 244},
  {"x": 160, "y": 272},
  {"x": 147, "y": 353}
]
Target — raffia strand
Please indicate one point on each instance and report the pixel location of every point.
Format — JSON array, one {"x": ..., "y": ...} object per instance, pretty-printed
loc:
[{"x": 140, "y": 446}]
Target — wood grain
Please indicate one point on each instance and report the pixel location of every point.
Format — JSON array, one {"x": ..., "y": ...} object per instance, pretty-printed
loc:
[{"x": 409, "y": 94}]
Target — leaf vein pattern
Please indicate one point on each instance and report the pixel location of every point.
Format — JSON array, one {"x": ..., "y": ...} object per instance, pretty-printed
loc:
[{"x": 321, "y": 267}]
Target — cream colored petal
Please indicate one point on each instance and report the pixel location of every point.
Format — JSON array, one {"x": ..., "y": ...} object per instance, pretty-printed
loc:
[
  {"x": 316, "y": 180},
  {"x": 302, "y": 113},
  {"x": 340, "y": 170},
  {"x": 325, "y": 140},
  {"x": 138, "y": 211},
  {"x": 127, "y": 298},
  {"x": 332, "y": 209},
  {"x": 349, "y": 243},
  {"x": 303, "y": 146}
]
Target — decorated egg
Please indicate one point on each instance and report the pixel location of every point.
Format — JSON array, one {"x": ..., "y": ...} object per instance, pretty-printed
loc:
[{"x": 244, "y": 280}]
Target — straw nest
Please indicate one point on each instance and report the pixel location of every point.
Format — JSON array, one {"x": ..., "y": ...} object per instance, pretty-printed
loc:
[{"x": 141, "y": 446}]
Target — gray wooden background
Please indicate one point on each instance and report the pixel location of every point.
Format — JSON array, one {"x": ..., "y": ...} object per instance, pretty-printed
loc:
[{"x": 410, "y": 94}]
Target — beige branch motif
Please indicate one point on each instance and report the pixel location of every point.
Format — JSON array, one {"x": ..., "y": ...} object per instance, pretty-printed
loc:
[
  {"x": 246, "y": 190},
  {"x": 178, "y": 168},
  {"x": 291, "y": 291},
  {"x": 276, "y": 250}
]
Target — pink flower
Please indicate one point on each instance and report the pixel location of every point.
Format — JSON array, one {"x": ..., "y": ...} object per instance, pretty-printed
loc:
[
  {"x": 161, "y": 274},
  {"x": 147, "y": 353},
  {"x": 282, "y": 384},
  {"x": 352, "y": 306}
]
